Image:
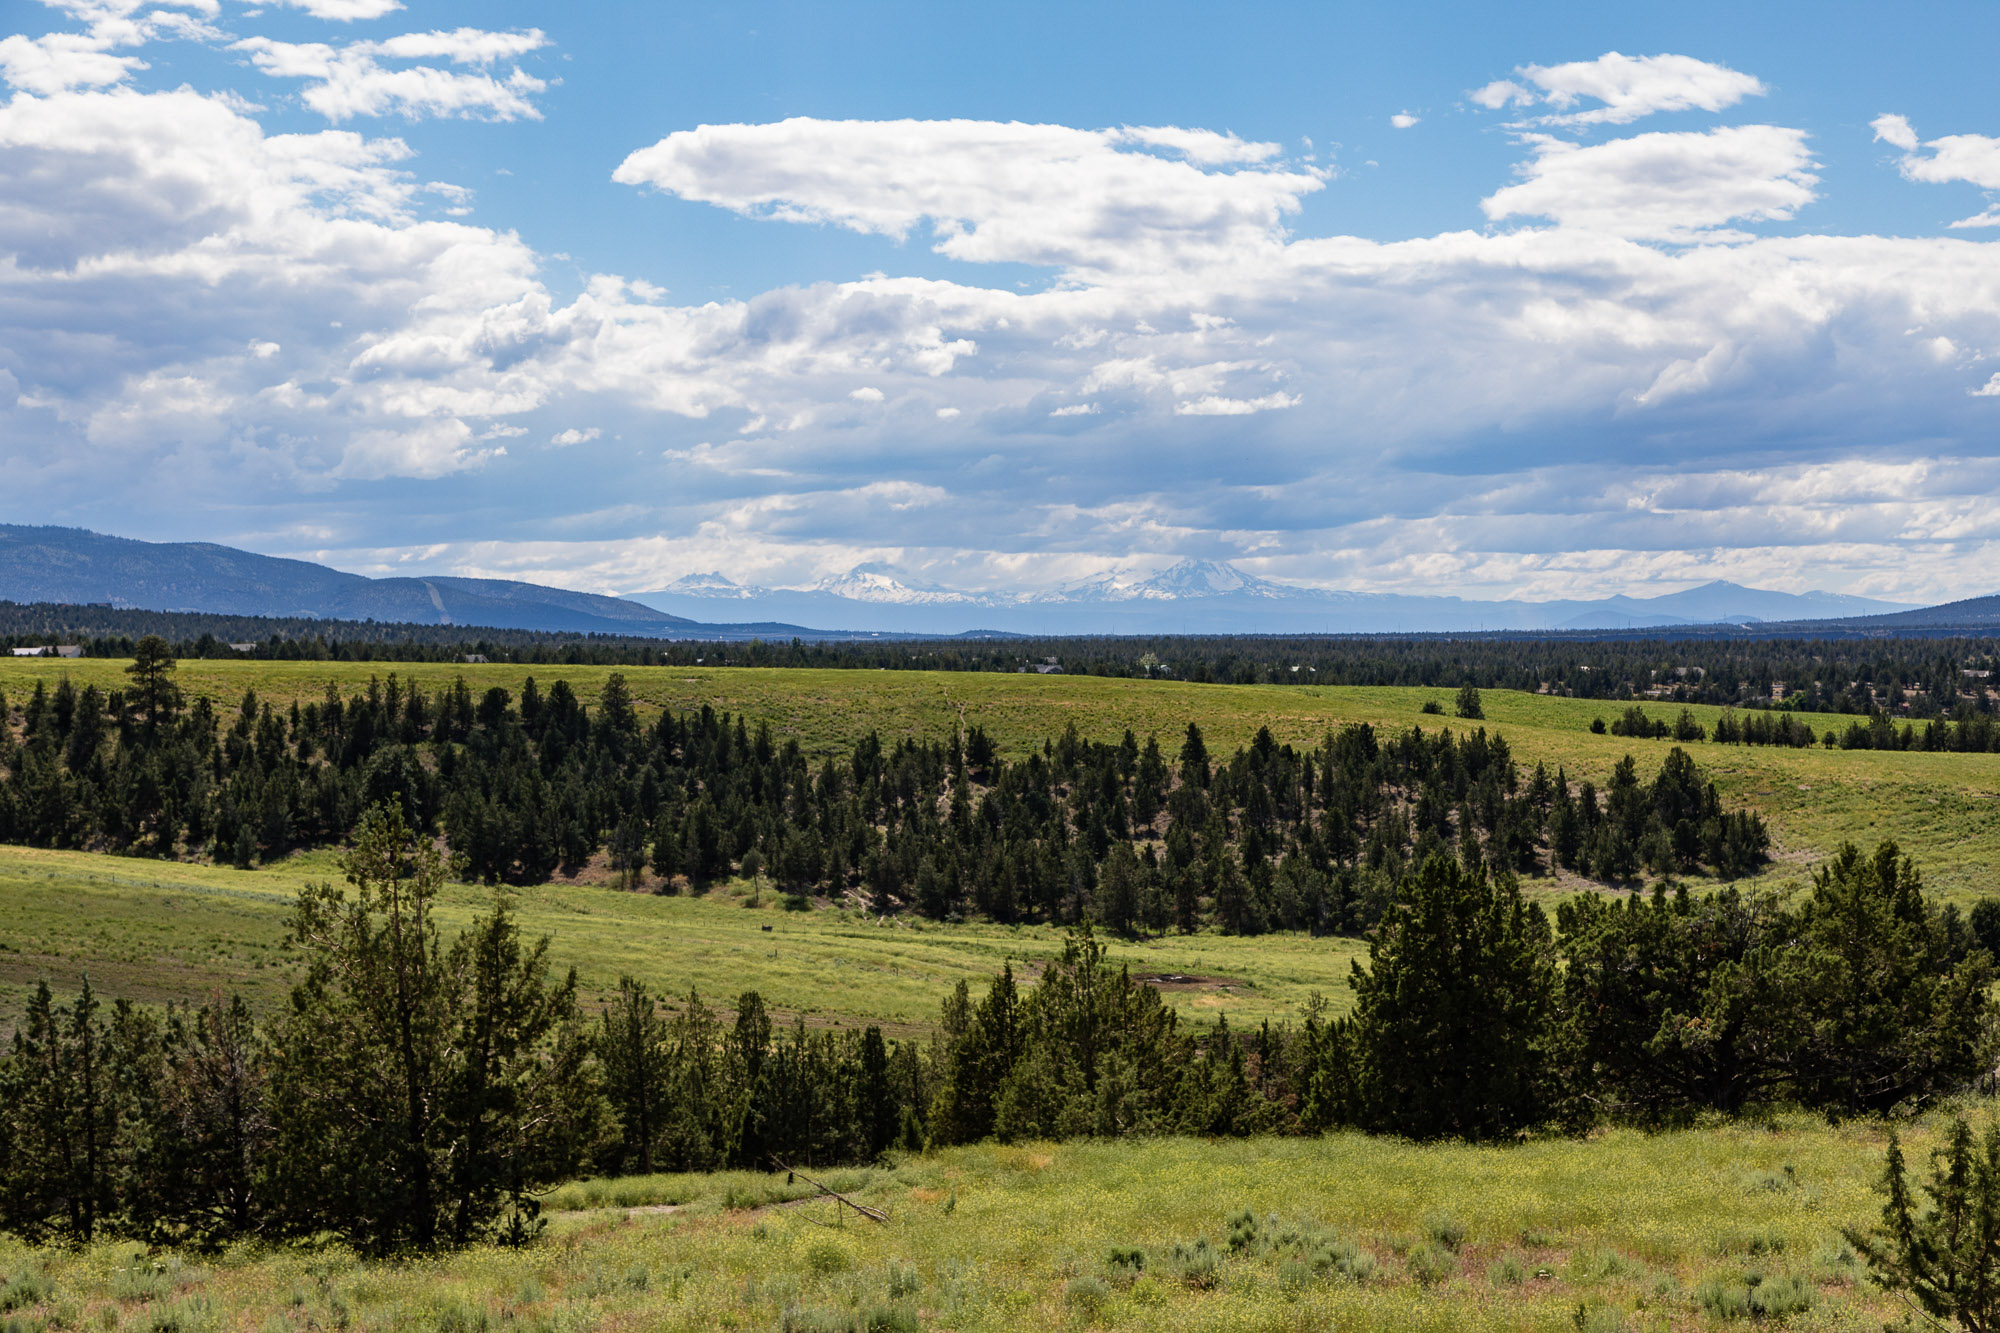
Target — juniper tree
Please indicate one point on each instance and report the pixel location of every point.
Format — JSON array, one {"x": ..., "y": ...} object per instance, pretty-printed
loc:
[
  {"x": 1943, "y": 1254},
  {"x": 1453, "y": 1016},
  {"x": 1894, "y": 995}
]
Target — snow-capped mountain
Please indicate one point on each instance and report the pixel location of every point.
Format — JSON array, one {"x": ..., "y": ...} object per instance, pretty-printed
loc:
[
  {"x": 1214, "y": 597},
  {"x": 1192, "y": 578},
  {"x": 712, "y": 586},
  {"x": 881, "y": 584}
]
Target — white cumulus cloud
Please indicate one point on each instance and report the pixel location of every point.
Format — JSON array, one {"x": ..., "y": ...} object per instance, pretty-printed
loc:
[
  {"x": 1215, "y": 405},
  {"x": 1663, "y": 186},
  {"x": 342, "y": 11},
  {"x": 1624, "y": 87},
  {"x": 1971, "y": 158},
  {"x": 990, "y": 191},
  {"x": 575, "y": 436},
  {"x": 353, "y": 80}
]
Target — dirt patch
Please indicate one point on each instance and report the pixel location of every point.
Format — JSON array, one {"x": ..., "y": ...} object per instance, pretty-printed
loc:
[{"x": 1183, "y": 981}]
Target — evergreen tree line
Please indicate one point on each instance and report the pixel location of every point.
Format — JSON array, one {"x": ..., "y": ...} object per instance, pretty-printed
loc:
[
  {"x": 415, "y": 1094},
  {"x": 1919, "y": 676},
  {"x": 1478, "y": 1018},
  {"x": 1973, "y": 733},
  {"x": 1272, "y": 838}
]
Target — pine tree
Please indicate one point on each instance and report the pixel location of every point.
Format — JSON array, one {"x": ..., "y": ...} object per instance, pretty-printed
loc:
[
  {"x": 419, "y": 1094},
  {"x": 153, "y": 688},
  {"x": 1118, "y": 889},
  {"x": 60, "y": 1091},
  {"x": 633, "y": 1049}
]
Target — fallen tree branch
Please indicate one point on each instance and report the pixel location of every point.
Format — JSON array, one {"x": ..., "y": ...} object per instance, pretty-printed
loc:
[{"x": 872, "y": 1214}]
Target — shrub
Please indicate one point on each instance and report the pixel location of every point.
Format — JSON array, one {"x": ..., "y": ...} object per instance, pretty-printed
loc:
[
  {"x": 1242, "y": 1231},
  {"x": 796, "y": 1320},
  {"x": 142, "y": 1282},
  {"x": 1446, "y": 1230},
  {"x": 459, "y": 1317},
  {"x": 1431, "y": 1264},
  {"x": 1126, "y": 1256},
  {"x": 1331, "y": 1257},
  {"x": 1599, "y": 1319},
  {"x": 1602, "y": 1266},
  {"x": 824, "y": 1258},
  {"x": 25, "y": 1288},
  {"x": 1756, "y": 1296},
  {"x": 189, "y": 1315},
  {"x": 1088, "y": 1294},
  {"x": 1198, "y": 1265},
  {"x": 1506, "y": 1271},
  {"x": 887, "y": 1319}
]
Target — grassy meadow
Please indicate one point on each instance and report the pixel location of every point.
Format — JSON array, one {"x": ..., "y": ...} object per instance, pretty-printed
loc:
[
  {"x": 1621, "y": 1231},
  {"x": 153, "y": 931}
]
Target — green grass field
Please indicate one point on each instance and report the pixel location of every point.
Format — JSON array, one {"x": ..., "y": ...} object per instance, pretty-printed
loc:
[
  {"x": 155, "y": 930},
  {"x": 1622, "y": 1231}
]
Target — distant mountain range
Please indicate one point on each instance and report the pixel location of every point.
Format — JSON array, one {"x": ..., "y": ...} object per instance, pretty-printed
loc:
[
  {"x": 39, "y": 564},
  {"x": 1210, "y": 597},
  {"x": 71, "y": 565}
]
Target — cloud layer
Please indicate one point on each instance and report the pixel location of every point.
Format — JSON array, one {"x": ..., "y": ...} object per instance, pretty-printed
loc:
[{"x": 1646, "y": 367}]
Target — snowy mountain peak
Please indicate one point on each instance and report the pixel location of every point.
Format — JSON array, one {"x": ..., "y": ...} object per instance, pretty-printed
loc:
[
  {"x": 1201, "y": 578},
  {"x": 710, "y": 584},
  {"x": 882, "y": 583}
]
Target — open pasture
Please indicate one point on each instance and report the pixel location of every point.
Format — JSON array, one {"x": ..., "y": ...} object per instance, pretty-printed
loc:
[
  {"x": 153, "y": 931},
  {"x": 1619, "y": 1232}
]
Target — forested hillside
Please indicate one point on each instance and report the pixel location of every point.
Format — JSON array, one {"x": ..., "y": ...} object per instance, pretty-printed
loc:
[{"x": 1129, "y": 835}]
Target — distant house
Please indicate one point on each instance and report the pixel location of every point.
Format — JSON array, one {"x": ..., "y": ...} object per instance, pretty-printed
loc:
[
  {"x": 69, "y": 650},
  {"x": 60, "y": 650},
  {"x": 30, "y": 652},
  {"x": 242, "y": 647},
  {"x": 474, "y": 659},
  {"x": 1049, "y": 666}
]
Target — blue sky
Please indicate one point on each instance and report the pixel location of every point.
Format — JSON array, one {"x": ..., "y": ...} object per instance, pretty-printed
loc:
[{"x": 1496, "y": 300}]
